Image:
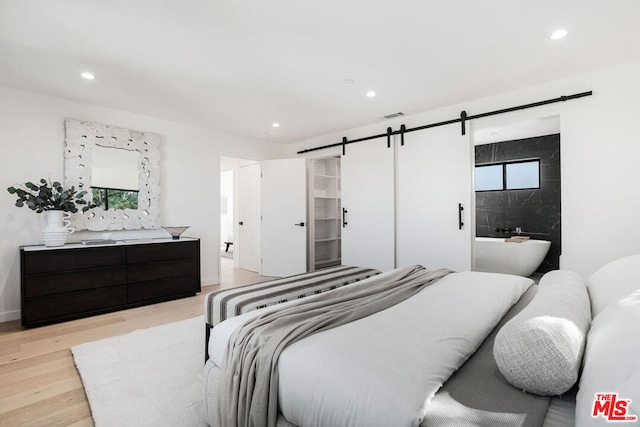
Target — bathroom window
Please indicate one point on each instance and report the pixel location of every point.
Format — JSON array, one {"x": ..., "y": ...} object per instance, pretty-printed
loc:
[
  {"x": 522, "y": 175},
  {"x": 519, "y": 175},
  {"x": 489, "y": 178}
]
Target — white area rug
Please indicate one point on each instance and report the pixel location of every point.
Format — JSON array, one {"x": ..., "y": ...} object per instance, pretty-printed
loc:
[{"x": 149, "y": 377}]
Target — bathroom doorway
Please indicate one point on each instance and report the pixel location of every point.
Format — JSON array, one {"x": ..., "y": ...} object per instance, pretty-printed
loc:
[{"x": 517, "y": 185}]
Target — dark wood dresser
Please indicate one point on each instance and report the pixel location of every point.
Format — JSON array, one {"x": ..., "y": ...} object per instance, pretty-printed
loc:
[{"x": 76, "y": 281}]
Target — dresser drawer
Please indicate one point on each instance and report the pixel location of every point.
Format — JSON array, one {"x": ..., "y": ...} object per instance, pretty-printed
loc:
[
  {"x": 49, "y": 284},
  {"x": 162, "y": 269},
  {"x": 72, "y": 304},
  {"x": 163, "y": 252},
  {"x": 163, "y": 288},
  {"x": 72, "y": 259}
]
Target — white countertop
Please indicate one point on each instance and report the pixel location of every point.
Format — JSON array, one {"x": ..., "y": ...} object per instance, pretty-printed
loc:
[{"x": 117, "y": 243}]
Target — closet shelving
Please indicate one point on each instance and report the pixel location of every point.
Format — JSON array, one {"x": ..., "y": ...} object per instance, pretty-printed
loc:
[{"x": 325, "y": 213}]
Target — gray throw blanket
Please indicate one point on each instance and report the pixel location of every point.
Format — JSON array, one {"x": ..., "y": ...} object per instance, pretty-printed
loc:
[{"x": 248, "y": 388}]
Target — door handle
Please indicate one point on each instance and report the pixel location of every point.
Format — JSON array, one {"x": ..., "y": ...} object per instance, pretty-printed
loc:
[
  {"x": 344, "y": 217},
  {"x": 460, "y": 223},
  {"x": 300, "y": 224},
  {"x": 241, "y": 223}
]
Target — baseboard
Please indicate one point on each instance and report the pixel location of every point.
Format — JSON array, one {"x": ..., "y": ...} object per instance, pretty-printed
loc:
[
  {"x": 209, "y": 281},
  {"x": 8, "y": 316}
]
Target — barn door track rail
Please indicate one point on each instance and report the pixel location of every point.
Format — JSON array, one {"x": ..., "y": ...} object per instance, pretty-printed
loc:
[{"x": 462, "y": 120}]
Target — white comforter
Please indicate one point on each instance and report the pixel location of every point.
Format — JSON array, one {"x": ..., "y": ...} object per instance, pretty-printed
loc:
[{"x": 383, "y": 370}]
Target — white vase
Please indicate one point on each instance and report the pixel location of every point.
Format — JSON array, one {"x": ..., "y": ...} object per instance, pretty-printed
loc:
[{"x": 57, "y": 229}]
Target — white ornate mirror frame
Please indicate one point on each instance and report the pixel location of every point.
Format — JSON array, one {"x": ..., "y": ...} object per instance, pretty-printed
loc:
[{"x": 80, "y": 138}]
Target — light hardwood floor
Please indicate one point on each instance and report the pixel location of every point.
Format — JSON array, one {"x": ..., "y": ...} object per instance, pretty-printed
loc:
[{"x": 39, "y": 383}]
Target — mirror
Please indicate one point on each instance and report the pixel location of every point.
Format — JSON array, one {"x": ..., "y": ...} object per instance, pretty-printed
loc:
[
  {"x": 114, "y": 178},
  {"x": 120, "y": 169}
]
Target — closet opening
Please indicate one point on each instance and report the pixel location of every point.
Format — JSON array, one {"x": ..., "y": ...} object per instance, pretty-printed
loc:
[{"x": 325, "y": 212}]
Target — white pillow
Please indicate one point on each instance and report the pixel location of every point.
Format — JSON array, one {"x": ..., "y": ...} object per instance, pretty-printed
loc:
[
  {"x": 612, "y": 282},
  {"x": 540, "y": 349},
  {"x": 612, "y": 360},
  {"x": 631, "y": 389}
]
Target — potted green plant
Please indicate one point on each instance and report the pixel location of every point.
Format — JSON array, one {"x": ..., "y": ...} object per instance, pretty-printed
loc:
[
  {"x": 56, "y": 201},
  {"x": 49, "y": 196}
]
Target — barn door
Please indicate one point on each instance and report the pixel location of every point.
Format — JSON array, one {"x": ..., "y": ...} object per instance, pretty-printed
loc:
[
  {"x": 434, "y": 190},
  {"x": 368, "y": 205}
]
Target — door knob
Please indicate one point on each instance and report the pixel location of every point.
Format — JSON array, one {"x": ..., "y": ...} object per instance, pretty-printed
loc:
[
  {"x": 300, "y": 224},
  {"x": 241, "y": 223}
]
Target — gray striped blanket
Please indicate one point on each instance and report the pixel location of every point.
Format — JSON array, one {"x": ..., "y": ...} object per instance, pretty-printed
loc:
[{"x": 228, "y": 303}]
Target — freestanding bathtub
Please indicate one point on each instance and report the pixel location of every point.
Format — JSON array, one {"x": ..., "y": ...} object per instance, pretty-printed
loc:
[{"x": 494, "y": 255}]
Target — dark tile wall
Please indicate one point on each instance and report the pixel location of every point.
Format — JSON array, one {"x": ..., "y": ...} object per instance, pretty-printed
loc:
[{"x": 537, "y": 212}]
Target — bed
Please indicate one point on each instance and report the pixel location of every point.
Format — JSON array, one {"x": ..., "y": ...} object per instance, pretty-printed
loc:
[
  {"x": 376, "y": 371},
  {"x": 228, "y": 303}
]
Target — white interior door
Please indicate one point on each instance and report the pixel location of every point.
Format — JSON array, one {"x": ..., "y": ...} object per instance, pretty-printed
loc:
[
  {"x": 284, "y": 217},
  {"x": 368, "y": 198},
  {"x": 433, "y": 178},
  {"x": 248, "y": 218}
]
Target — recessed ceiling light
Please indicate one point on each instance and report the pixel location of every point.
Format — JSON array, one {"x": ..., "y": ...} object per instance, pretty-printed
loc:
[
  {"x": 276, "y": 125},
  {"x": 348, "y": 81},
  {"x": 262, "y": 135},
  {"x": 371, "y": 94},
  {"x": 88, "y": 76},
  {"x": 558, "y": 34}
]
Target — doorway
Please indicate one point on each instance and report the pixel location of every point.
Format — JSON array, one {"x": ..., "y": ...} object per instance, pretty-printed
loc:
[
  {"x": 239, "y": 220},
  {"x": 517, "y": 185}
]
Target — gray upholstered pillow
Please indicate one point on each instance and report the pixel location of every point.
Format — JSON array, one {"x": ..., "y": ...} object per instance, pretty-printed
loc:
[{"x": 540, "y": 349}]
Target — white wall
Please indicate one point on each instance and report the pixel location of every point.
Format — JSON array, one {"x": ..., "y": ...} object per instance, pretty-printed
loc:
[
  {"x": 32, "y": 144},
  {"x": 600, "y": 154}
]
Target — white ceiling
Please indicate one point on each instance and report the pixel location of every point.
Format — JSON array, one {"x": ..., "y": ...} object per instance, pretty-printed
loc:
[{"x": 238, "y": 66}]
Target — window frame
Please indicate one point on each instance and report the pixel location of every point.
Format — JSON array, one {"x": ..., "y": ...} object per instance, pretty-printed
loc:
[{"x": 504, "y": 174}]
